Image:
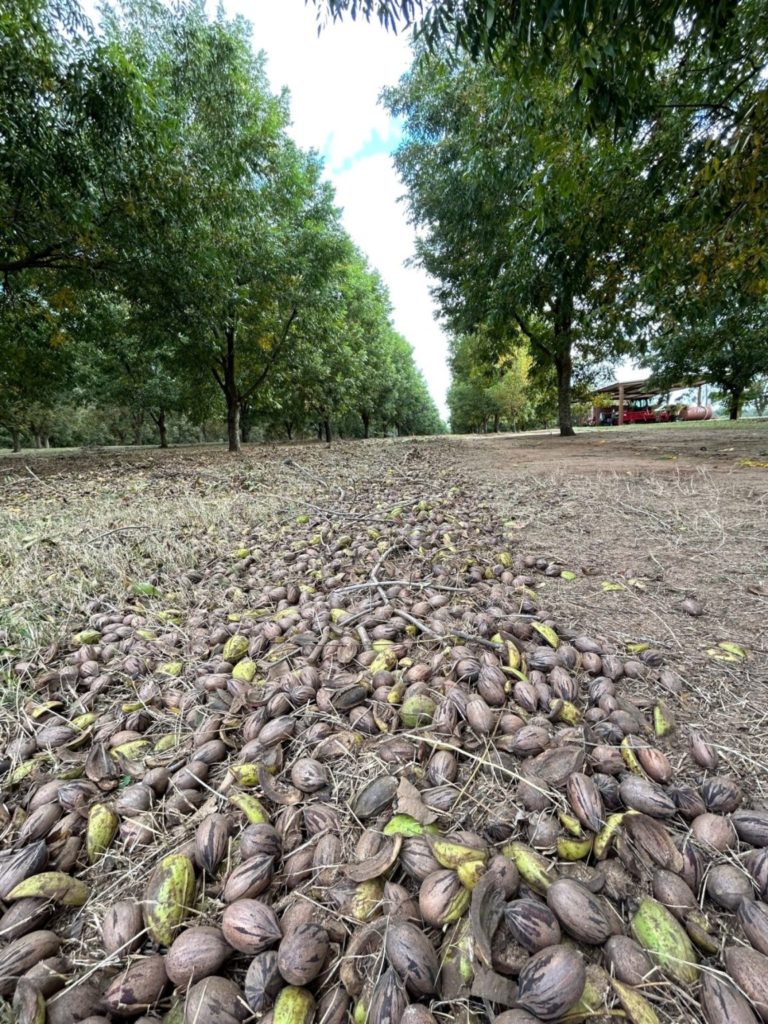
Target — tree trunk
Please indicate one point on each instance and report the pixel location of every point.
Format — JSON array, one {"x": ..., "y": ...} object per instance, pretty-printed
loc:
[
  {"x": 563, "y": 359},
  {"x": 496, "y": 418},
  {"x": 320, "y": 431},
  {"x": 233, "y": 425},
  {"x": 245, "y": 422},
  {"x": 366, "y": 418},
  {"x": 564, "y": 368},
  {"x": 230, "y": 392},
  {"x": 734, "y": 406},
  {"x": 16, "y": 440},
  {"x": 162, "y": 429},
  {"x": 137, "y": 422},
  {"x": 289, "y": 429},
  {"x": 327, "y": 430}
]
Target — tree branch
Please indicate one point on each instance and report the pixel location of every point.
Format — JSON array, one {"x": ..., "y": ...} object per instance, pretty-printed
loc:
[
  {"x": 725, "y": 107},
  {"x": 528, "y": 332},
  {"x": 245, "y": 395},
  {"x": 50, "y": 258}
]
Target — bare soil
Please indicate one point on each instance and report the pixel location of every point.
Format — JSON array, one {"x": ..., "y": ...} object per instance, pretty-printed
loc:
[{"x": 684, "y": 512}]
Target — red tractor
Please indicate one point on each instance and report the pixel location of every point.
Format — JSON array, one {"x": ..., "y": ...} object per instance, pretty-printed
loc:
[
  {"x": 640, "y": 410},
  {"x": 636, "y": 410}
]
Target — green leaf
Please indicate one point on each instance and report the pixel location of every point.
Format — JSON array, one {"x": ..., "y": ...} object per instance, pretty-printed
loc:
[{"x": 144, "y": 590}]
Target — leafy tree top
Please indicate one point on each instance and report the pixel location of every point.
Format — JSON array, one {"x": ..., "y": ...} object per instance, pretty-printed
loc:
[{"x": 615, "y": 43}]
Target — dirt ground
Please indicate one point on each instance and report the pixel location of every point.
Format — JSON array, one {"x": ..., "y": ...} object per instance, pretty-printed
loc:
[
  {"x": 680, "y": 510},
  {"x": 607, "y": 534},
  {"x": 685, "y": 514}
]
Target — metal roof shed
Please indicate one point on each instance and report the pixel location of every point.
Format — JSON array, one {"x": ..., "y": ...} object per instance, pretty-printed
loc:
[{"x": 635, "y": 389}]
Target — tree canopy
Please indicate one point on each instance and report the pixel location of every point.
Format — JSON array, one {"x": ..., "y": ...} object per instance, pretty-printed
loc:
[
  {"x": 727, "y": 348},
  {"x": 588, "y": 181},
  {"x": 163, "y": 238},
  {"x": 589, "y": 238},
  {"x": 614, "y": 45},
  {"x": 519, "y": 211}
]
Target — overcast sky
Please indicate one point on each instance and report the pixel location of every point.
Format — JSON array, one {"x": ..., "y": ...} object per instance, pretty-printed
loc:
[{"x": 335, "y": 80}]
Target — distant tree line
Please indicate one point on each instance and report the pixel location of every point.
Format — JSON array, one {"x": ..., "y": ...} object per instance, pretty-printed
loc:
[{"x": 168, "y": 255}]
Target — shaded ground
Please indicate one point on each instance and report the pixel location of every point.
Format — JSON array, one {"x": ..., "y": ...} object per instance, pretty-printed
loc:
[{"x": 719, "y": 445}]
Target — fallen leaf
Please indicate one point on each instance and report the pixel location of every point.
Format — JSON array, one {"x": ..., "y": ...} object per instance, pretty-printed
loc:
[
  {"x": 409, "y": 802},
  {"x": 731, "y": 648}
]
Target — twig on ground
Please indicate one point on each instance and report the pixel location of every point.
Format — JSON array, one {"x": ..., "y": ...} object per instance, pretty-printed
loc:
[
  {"x": 466, "y": 637},
  {"x": 34, "y": 475},
  {"x": 427, "y": 584},
  {"x": 119, "y": 529},
  {"x": 439, "y": 744},
  {"x": 292, "y": 464},
  {"x": 314, "y": 655},
  {"x": 390, "y": 551}
]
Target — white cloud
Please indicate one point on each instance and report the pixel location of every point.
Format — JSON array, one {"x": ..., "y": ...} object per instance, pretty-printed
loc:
[
  {"x": 370, "y": 191},
  {"x": 335, "y": 80},
  {"x": 334, "y": 77},
  {"x": 629, "y": 369}
]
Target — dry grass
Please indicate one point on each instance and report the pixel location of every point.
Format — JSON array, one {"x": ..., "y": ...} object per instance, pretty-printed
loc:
[{"x": 69, "y": 538}]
